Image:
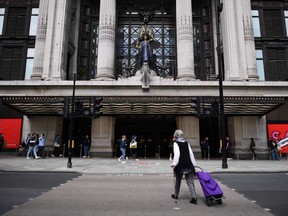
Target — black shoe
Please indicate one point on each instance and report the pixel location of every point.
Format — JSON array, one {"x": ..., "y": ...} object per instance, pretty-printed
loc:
[
  {"x": 193, "y": 200},
  {"x": 174, "y": 196}
]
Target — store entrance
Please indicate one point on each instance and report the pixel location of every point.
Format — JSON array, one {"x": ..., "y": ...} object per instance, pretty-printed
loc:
[
  {"x": 81, "y": 128},
  {"x": 154, "y": 134},
  {"x": 209, "y": 127}
]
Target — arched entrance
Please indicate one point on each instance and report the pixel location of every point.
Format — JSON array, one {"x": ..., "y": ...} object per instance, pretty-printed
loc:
[{"x": 154, "y": 134}]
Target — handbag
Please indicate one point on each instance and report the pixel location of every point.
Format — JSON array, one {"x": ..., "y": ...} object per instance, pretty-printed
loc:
[{"x": 56, "y": 144}]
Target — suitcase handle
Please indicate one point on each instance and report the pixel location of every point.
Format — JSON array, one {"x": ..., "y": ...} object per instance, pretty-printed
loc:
[{"x": 198, "y": 168}]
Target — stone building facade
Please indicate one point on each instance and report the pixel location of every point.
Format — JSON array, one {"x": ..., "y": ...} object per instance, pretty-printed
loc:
[{"x": 193, "y": 40}]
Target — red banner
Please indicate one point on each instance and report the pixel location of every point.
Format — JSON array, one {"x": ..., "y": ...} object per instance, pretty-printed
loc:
[
  {"x": 279, "y": 132},
  {"x": 11, "y": 129}
]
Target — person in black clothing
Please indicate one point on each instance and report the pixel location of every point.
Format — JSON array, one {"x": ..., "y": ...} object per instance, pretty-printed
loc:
[
  {"x": 86, "y": 146},
  {"x": 1, "y": 141},
  {"x": 183, "y": 163},
  {"x": 206, "y": 147}
]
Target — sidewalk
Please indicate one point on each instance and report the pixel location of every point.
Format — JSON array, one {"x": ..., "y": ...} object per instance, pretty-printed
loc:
[
  {"x": 107, "y": 187},
  {"x": 143, "y": 166}
]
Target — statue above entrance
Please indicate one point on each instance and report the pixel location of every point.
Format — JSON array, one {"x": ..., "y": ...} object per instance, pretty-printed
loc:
[
  {"x": 145, "y": 42},
  {"x": 146, "y": 63}
]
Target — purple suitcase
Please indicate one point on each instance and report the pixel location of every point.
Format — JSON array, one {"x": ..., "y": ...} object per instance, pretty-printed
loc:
[{"x": 210, "y": 188}]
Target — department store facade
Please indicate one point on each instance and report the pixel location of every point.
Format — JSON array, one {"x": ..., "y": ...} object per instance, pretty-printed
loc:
[{"x": 45, "y": 43}]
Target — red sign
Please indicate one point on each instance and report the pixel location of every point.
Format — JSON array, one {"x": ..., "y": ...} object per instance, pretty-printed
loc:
[
  {"x": 279, "y": 132},
  {"x": 11, "y": 129}
]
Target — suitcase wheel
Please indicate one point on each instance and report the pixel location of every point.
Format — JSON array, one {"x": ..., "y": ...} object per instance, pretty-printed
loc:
[
  {"x": 219, "y": 201},
  {"x": 209, "y": 202}
]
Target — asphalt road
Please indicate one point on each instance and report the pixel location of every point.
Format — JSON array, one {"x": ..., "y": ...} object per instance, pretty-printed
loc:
[
  {"x": 69, "y": 194},
  {"x": 270, "y": 191},
  {"x": 17, "y": 188}
]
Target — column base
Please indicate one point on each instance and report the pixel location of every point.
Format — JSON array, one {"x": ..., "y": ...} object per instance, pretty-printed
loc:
[{"x": 104, "y": 77}]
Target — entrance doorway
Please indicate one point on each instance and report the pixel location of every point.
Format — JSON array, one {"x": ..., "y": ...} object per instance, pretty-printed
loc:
[
  {"x": 82, "y": 127},
  {"x": 154, "y": 134},
  {"x": 209, "y": 128}
]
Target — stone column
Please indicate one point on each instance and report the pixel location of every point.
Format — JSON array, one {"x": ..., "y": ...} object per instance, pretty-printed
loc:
[
  {"x": 106, "y": 45},
  {"x": 233, "y": 40},
  {"x": 249, "y": 41},
  {"x": 55, "y": 57},
  {"x": 185, "y": 52},
  {"x": 190, "y": 127},
  {"x": 40, "y": 40},
  {"x": 102, "y": 136},
  {"x": 240, "y": 131}
]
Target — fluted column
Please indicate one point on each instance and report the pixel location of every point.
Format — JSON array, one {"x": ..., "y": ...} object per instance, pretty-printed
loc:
[
  {"x": 106, "y": 45},
  {"x": 249, "y": 40},
  {"x": 234, "y": 52},
  {"x": 56, "y": 40},
  {"x": 40, "y": 40},
  {"x": 185, "y": 52}
]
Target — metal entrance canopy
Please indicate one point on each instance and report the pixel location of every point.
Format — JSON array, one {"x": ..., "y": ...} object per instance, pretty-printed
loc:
[{"x": 160, "y": 105}]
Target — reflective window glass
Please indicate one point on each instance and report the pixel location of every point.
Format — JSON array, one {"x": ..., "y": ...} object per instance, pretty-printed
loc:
[
  {"x": 29, "y": 63},
  {"x": 2, "y": 13},
  {"x": 34, "y": 21},
  {"x": 256, "y": 23},
  {"x": 286, "y": 21},
  {"x": 260, "y": 64}
]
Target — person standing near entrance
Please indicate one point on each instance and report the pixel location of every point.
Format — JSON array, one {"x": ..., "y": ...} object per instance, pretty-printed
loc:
[
  {"x": 206, "y": 148},
  {"x": 133, "y": 147},
  {"x": 1, "y": 141},
  {"x": 86, "y": 146},
  {"x": 122, "y": 149},
  {"x": 183, "y": 163},
  {"x": 252, "y": 148}
]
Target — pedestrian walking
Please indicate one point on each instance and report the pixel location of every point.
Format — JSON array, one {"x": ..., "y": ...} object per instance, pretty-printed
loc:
[
  {"x": 252, "y": 148},
  {"x": 183, "y": 164},
  {"x": 32, "y": 143},
  {"x": 122, "y": 149}
]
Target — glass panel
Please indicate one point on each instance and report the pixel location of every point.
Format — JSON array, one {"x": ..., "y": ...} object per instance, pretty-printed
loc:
[
  {"x": 35, "y": 11},
  {"x": 286, "y": 24},
  {"x": 2, "y": 13},
  {"x": 256, "y": 27},
  {"x": 286, "y": 13},
  {"x": 255, "y": 13},
  {"x": 33, "y": 25},
  {"x": 259, "y": 54},
  {"x": 30, "y": 53},
  {"x": 34, "y": 21},
  {"x": 29, "y": 68},
  {"x": 260, "y": 69},
  {"x": 29, "y": 63},
  {"x": 1, "y": 24}
]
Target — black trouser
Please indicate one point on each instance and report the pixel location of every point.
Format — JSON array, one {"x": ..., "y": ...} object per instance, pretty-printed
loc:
[{"x": 189, "y": 177}]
